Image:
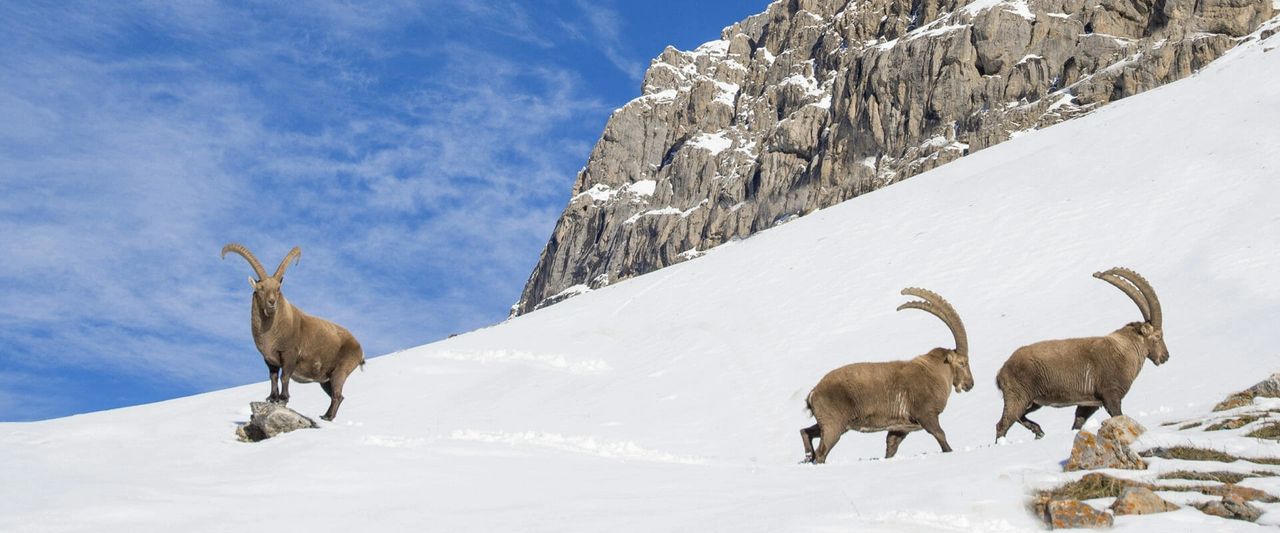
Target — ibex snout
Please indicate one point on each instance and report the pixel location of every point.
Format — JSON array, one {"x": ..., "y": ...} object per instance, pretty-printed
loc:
[
  {"x": 961, "y": 376},
  {"x": 1159, "y": 353},
  {"x": 269, "y": 301}
]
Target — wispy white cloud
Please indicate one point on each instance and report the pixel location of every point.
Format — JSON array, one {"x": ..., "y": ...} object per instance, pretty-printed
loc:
[
  {"x": 606, "y": 32},
  {"x": 499, "y": 17}
]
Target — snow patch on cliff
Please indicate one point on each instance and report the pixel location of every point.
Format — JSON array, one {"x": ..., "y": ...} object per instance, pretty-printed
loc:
[{"x": 712, "y": 142}]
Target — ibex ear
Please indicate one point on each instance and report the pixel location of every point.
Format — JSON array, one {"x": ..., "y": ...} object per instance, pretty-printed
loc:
[
  {"x": 1146, "y": 328},
  {"x": 253, "y": 283},
  {"x": 949, "y": 358}
]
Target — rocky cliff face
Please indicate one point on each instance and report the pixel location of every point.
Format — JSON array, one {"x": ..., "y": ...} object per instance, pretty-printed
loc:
[{"x": 816, "y": 101}]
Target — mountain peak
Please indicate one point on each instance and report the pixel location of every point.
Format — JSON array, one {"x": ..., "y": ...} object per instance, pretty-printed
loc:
[{"x": 814, "y": 102}]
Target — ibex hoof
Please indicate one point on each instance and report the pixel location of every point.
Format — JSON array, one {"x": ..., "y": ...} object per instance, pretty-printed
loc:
[
  {"x": 326, "y": 418},
  {"x": 1039, "y": 436}
]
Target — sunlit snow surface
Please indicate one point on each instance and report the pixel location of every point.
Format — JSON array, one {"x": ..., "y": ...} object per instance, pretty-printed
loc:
[{"x": 673, "y": 401}]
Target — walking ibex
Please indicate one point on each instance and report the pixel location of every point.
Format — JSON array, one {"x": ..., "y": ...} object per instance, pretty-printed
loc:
[
  {"x": 1086, "y": 373},
  {"x": 898, "y": 397},
  {"x": 302, "y": 347}
]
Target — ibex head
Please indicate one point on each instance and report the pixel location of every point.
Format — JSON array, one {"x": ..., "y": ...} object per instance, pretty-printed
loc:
[
  {"x": 1151, "y": 329},
  {"x": 961, "y": 376},
  {"x": 266, "y": 289},
  {"x": 957, "y": 359}
]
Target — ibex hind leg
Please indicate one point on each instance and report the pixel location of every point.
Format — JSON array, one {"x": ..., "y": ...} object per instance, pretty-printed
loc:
[
  {"x": 335, "y": 396},
  {"x": 830, "y": 436},
  {"x": 807, "y": 435},
  {"x": 1029, "y": 424},
  {"x": 337, "y": 381},
  {"x": 1015, "y": 410}
]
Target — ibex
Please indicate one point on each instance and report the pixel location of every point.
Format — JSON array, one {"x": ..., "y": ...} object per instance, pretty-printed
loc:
[
  {"x": 1086, "y": 373},
  {"x": 302, "y": 347},
  {"x": 898, "y": 397}
]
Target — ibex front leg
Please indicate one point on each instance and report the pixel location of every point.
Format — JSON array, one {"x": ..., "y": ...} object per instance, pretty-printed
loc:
[
  {"x": 930, "y": 424},
  {"x": 284, "y": 378},
  {"x": 891, "y": 443},
  {"x": 1083, "y": 412},
  {"x": 275, "y": 379}
]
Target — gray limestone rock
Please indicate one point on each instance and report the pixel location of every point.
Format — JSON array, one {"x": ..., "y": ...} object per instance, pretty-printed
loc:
[
  {"x": 271, "y": 419},
  {"x": 1232, "y": 507},
  {"x": 1267, "y": 388},
  {"x": 814, "y": 102}
]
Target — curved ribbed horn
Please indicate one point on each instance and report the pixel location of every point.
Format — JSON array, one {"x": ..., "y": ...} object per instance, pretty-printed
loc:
[
  {"x": 941, "y": 308},
  {"x": 1129, "y": 288},
  {"x": 1148, "y": 293},
  {"x": 248, "y": 256},
  {"x": 293, "y": 256}
]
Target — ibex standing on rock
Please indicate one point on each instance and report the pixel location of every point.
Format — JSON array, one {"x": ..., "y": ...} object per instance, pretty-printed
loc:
[
  {"x": 1086, "y": 373},
  {"x": 898, "y": 397},
  {"x": 305, "y": 348}
]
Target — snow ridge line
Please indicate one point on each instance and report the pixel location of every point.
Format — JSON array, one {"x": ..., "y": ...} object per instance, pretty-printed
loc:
[
  {"x": 393, "y": 441},
  {"x": 625, "y": 450},
  {"x": 912, "y": 520},
  {"x": 550, "y": 361}
]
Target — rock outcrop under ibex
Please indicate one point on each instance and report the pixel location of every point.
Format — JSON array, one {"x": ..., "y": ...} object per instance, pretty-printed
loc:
[
  {"x": 1109, "y": 448},
  {"x": 271, "y": 419},
  {"x": 816, "y": 101}
]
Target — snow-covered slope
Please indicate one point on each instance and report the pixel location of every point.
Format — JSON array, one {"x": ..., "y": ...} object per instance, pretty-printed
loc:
[{"x": 672, "y": 402}]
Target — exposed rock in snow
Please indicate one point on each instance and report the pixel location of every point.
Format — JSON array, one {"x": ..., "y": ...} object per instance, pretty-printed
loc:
[
  {"x": 1073, "y": 514},
  {"x": 1267, "y": 388},
  {"x": 271, "y": 419},
  {"x": 1232, "y": 507},
  {"x": 818, "y": 89},
  {"x": 1205, "y": 463},
  {"x": 1109, "y": 448},
  {"x": 1120, "y": 429},
  {"x": 1140, "y": 500}
]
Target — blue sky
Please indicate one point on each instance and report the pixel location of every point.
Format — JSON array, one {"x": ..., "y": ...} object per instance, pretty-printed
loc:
[{"x": 418, "y": 152}]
